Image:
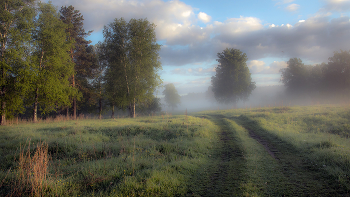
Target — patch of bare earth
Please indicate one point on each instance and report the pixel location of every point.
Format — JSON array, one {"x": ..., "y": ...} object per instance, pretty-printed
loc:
[{"x": 270, "y": 149}]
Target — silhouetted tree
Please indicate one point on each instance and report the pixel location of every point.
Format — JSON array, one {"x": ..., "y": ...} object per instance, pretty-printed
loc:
[
  {"x": 172, "y": 98},
  {"x": 232, "y": 81},
  {"x": 337, "y": 72},
  {"x": 296, "y": 76}
]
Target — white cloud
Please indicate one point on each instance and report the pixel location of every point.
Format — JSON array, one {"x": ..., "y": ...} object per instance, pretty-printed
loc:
[
  {"x": 205, "y": 18},
  {"x": 315, "y": 39},
  {"x": 256, "y": 66},
  {"x": 292, "y": 7},
  {"x": 259, "y": 67},
  {"x": 238, "y": 25}
]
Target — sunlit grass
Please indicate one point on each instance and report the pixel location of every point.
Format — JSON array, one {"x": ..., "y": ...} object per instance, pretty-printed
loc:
[
  {"x": 320, "y": 133},
  {"x": 147, "y": 156}
]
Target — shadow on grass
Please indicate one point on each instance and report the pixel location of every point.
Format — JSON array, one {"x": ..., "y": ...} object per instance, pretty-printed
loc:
[
  {"x": 223, "y": 172},
  {"x": 303, "y": 178}
]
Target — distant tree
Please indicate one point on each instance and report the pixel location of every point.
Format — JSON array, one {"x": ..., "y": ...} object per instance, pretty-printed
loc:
[
  {"x": 232, "y": 81},
  {"x": 133, "y": 62},
  {"x": 337, "y": 72},
  {"x": 296, "y": 76},
  {"x": 52, "y": 65},
  {"x": 81, "y": 53},
  {"x": 151, "y": 106},
  {"x": 98, "y": 82},
  {"x": 16, "y": 25},
  {"x": 172, "y": 98}
]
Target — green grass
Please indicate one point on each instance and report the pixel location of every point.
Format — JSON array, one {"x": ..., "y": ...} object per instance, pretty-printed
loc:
[
  {"x": 280, "y": 151},
  {"x": 312, "y": 143},
  {"x": 151, "y": 156}
]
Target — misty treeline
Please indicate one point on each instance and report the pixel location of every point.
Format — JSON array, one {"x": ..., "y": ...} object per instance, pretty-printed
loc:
[
  {"x": 326, "y": 82},
  {"x": 48, "y": 67},
  {"x": 304, "y": 84}
]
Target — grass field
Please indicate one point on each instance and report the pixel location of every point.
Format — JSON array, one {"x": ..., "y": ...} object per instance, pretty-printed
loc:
[{"x": 281, "y": 151}]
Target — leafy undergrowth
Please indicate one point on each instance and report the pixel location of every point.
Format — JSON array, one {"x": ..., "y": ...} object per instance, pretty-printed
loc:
[
  {"x": 312, "y": 149},
  {"x": 150, "y": 156}
]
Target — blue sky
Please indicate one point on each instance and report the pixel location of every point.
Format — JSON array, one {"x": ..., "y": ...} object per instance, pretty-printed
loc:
[{"x": 192, "y": 32}]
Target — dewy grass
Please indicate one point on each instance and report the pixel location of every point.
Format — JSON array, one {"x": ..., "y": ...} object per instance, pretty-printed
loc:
[
  {"x": 262, "y": 172},
  {"x": 317, "y": 137},
  {"x": 145, "y": 156}
]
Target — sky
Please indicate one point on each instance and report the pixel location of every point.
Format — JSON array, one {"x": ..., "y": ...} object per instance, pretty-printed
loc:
[{"x": 192, "y": 32}]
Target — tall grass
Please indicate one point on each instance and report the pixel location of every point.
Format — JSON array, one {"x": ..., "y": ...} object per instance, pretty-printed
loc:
[{"x": 31, "y": 172}]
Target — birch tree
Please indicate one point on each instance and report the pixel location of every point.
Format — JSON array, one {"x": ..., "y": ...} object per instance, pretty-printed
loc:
[
  {"x": 52, "y": 63},
  {"x": 133, "y": 63}
]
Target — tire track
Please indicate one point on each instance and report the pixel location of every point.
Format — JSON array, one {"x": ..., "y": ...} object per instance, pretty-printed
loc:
[{"x": 224, "y": 172}]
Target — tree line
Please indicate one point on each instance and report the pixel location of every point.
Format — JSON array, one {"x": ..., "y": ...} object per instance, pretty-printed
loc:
[
  {"x": 48, "y": 67},
  {"x": 321, "y": 81}
]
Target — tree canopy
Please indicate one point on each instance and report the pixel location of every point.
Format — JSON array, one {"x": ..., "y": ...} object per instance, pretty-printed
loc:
[
  {"x": 172, "y": 98},
  {"x": 82, "y": 55},
  {"x": 52, "y": 65},
  {"x": 321, "y": 80},
  {"x": 16, "y": 26},
  {"x": 232, "y": 81},
  {"x": 132, "y": 57}
]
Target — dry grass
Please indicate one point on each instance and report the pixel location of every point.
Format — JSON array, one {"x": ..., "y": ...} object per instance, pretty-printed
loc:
[
  {"x": 32, "y": 171},
  {"x": 60, "y": 118}
]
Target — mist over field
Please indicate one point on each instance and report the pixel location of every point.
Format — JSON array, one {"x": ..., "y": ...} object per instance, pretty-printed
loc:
[{"x": 260, "y": 97}]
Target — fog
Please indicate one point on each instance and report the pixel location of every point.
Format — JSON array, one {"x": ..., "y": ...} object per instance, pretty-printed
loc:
[{"x": 263, "y": 96}]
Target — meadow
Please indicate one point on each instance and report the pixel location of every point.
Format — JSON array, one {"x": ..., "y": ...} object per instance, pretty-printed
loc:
[{"x": 277, "y": 151}]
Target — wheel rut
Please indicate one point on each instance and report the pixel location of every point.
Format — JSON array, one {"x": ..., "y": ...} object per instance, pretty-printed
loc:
[
  {"x": 268, "y": 147},
  {"x": 223, "y": 174}
]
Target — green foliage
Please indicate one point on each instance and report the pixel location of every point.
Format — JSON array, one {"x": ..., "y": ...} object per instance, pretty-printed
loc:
[
  {"x": 151, "y": 106},
  {"x": 16, "y": 19},
  {"x": 322, "y": 80},
  {"x": 52, "y": 65},
  {"x": 232, "y": 81},
  {"x": 296, "y": 75},
  {"x": 337, "y": 72},
  {"x": 133, "y": 62},
  {"x": 172, "y": 98},
  {"x": 83, "y": 56}
]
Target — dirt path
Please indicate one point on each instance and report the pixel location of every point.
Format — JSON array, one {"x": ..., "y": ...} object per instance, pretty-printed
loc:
[
  {"x": 271, "y": 150},
  {"x": 223, "y": 174},
  {"x": 289, "y": 173},
  {"x": 302, "y": 177}
]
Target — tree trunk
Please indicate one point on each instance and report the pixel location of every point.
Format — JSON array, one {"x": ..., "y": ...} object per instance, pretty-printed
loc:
[
  {"x": 3, "y": 114},
  {"x": 74, "y": 108},
  {"x": 132, "y": 108},
  {"x": 67, "y": 113},
  {"x": 100, "y": 109},
  {"x": 35, "y": 107},
  {"x": 112, "y": 116}
]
